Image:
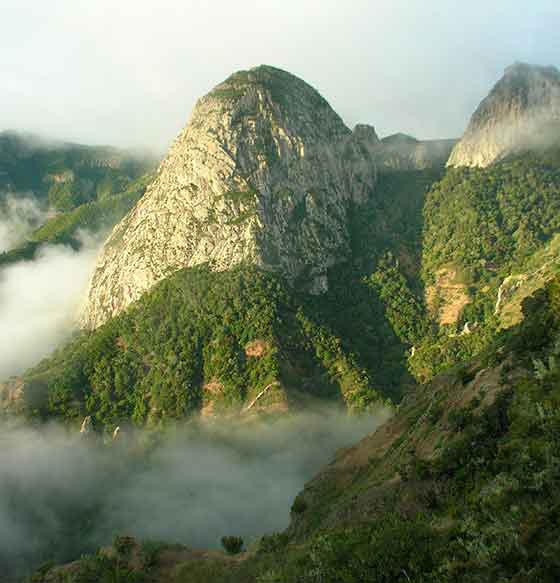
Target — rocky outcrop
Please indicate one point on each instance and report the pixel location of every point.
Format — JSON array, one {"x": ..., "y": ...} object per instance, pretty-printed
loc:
[
  {"x": 521, "y": 112},
  {"x": 12, "y": 394},
  {"x": 447, "y": 297},
  {"x": 264, "y": 173},
  {"x": 402, "y": 153}
]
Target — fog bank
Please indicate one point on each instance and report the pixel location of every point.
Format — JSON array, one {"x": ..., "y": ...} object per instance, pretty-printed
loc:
[
  {"x": 39, "y": 300},
  {"x": 19, "y": 215},
  {"x": 62, "y": 495}
]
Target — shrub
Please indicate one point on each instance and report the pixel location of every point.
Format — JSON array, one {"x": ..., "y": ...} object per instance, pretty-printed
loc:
[
  {"x": 299, "y": 506},
  {"x": 460, "y": 419},
  {"x": 390, "y": 551},
  {"x": 274, "y": 542},
  {"x": 232, "y": 544},
  {"x": 149, "y": 552},
  {"x": 436, "y": 413},
  {"x": 123, "y": 545}
]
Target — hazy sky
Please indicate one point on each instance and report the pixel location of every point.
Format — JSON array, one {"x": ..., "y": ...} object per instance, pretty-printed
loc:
[{"x": 127, "y": 72}]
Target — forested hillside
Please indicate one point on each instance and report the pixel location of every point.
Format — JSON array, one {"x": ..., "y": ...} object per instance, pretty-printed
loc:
[
  {"x": 381, "y": 315},
  {"x": 482, "y": 226},
  {"x": 212, "y": 342},
  {"x": 460, "y": 486},
  {"x": 91, "y": 217},
  {"x": 65, "y": 175}
]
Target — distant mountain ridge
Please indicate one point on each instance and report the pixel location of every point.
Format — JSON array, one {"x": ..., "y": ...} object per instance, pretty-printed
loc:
[
  {"x": 82, "y": 187},
  {"x": 63, "y": 173}
]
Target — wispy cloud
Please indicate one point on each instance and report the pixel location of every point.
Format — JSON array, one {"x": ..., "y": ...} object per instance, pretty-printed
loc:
[
  {"x": 198, "y": 484},
  {"x": 19, "y": 215},
  {"x": 39, "y": 300}
]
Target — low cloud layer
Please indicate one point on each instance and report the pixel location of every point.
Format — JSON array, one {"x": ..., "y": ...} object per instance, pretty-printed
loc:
[
  {"x": 39, "y": 301},
  {"x": 19, "y": 215},
  {"x": 198, "y": 484}
]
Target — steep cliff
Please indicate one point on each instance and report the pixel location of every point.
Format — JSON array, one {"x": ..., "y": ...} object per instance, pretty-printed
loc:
[
  {"x": 521, "y": 112},
  {"x": 263, "y": 173}
]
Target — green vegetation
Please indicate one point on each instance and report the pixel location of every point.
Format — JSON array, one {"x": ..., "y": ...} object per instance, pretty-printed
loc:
[
  {"x": 93, "y": 216},
  {"x": 392, "y": 550},
  {"x": 461, "y": 486},
  {"x": 67, "y": 175},
  {"x": 232, "y": 544},
  {"x": 405, "y": 311},
  {"x": 95, "y": 568},
  {"x": 243, "y": 197},
  {"x": 233, "y": 87},
  {"x": 24, "y": 252},
  {"x": 299, "y": 506},
  {"x": 90, "y": 187},
  {"x": 244, "y": 203},
  {"x": 482, "y": 508},
  {"x": 391, "y": 221},
  {"x": 491, "y": 219},
  {"x": 485, "y": 224},
  {"x": 186, "y": 345},
  {"x": 438, "y": 350}
]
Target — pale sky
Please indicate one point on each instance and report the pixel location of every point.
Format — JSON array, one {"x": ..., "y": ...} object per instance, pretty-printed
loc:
[{"x": 128, "y": 72}]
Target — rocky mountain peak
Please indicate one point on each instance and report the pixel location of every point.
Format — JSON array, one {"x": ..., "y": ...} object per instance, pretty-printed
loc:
[
  {"x": 263, "y": 173},
  {"x": 293, "y": 100},
  {"x": 522, "y": 111}
]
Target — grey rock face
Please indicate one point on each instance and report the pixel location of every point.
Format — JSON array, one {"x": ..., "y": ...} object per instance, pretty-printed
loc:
[
  {"x": 263, "y": 173},
  {"x": 521, "y": 112}
]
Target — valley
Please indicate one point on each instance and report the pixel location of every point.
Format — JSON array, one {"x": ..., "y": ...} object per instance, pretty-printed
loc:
[{"x": 337, "y": 351}]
